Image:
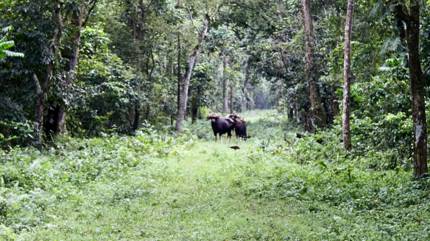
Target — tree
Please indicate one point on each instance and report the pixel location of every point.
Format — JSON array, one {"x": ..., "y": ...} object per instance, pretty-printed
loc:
[
  {"x": 185, "y": 79},
  {"x": 200, "y": 87},
  {"x": 318, "y": 116},
  {"x": 44, "y": 84},
  {"x": 79, "y": 16},
  {"x": 410, "y": 16},
  {"x": 178, "y": 71},
  {"x": 225, "y": 84},
  {"x": 346, "y": 129}
]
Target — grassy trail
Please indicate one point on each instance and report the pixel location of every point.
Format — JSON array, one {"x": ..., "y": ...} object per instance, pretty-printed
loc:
[
  {"x": 153, "y": 187},
  {"x": 194, "y": 194}
]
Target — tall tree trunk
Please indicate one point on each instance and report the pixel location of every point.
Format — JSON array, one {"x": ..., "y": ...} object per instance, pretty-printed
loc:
[
  {"x": 70, "y": 76},
  {"x": 194, "y": 109},
  {"x": 39, "y": 111},
  {"x": 245, "y": 103},
  {"x": 291, "y": 103},
  {"x": 231, "y": 97},
  {"x": 417, "y": 90},
  {"x": 185, "y": 80},
  {"x": 318, "y": 115},
  {"x": 346, "y": 130},
  {"x": 225, "y": 84},
  {"x": 42, "y": 88},
  {"x": 417, "y": 81},
  {"x": 195, "y": 104},
  {"x": 136, "y": 117},
  {"x": 172, "y": 64},
  {"x": 79, "y": 19},
  {"x": 179, "y": 74}
]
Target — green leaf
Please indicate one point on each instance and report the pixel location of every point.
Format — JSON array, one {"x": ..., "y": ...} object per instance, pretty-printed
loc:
[
  {"x": 13, "y": 54},
  {"x": 6, "y": 45}
]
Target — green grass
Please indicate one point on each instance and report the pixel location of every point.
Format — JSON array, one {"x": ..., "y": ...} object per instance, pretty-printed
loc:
[{"x": 156, "y": 187}]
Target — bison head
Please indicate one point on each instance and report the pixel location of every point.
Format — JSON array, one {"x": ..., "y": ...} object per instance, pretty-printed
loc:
[
  {"x": 213, "y": 117},
  {"x": 236, "y": 118}
]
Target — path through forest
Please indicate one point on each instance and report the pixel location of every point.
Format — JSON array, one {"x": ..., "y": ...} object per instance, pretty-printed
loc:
[
  {"x": 156, "y": 187},
  {"x": 196, "y": 193}
]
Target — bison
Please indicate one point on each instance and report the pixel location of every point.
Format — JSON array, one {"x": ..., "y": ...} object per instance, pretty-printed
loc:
[
  {"x": 221, "y": 125},
  {"x": 239, "y": 126}
]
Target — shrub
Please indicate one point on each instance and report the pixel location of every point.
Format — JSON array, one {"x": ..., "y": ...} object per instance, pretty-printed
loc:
[{"x": 15, "y": 133}]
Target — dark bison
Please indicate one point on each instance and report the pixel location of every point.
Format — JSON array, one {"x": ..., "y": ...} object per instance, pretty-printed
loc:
[
  {"x": 239, "y": 126},
  {"x": 221, "y": 125}
]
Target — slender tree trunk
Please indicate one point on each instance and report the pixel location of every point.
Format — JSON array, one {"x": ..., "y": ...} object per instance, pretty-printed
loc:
[
  {"x": 70, "y": 76},
  {"x": 195, "y": 105},
  {"x": 292, "y": 112},
  {"x": 298, "y": 112},
  {"x": 231, "y": 97},
  {"x": 179, "y": 73},
  {"x": 194, "y": 110},
  {"x": 225, "y": 84},
  {"x": 417, "y": 90},
  {"x": 318, "y": 115},
  {"x": 245, "y": 104},
  {"x": 346, "y": 130},
  {"x": 39, "y": 112},
  {"x": 79, "y": 19},
  {"x": 136, "y": 117},
  {"x": 185, "y": 80},
  {"x": 279, "y": 92},
  {"x": 172, "y": 64},
  {"x": 147, "y": 112}
]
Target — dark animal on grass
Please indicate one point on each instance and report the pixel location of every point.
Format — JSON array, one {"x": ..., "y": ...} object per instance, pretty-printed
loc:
[
  {"x": 221, "y": 125},
  {"x": 239, "y": 126}
]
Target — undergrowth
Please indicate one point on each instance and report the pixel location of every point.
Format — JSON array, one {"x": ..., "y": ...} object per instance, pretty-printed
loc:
[
  {"x": 280, "y": 185},
  {"x": 31, "y": 180}
]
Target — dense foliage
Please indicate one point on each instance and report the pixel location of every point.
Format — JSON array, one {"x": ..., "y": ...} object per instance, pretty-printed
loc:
[
  {"x": 93, "y": 90},
  {"x": 132, "y": 54}
]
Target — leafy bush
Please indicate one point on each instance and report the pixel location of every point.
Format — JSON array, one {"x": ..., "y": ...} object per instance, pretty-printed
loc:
[
  {"x": 382, "y": 119},
  {"x": 15, "y": 133},
  {"x": 31, "y": 180},
  {"x": 353, "y": 195},
  {"x": 106, "y": 91}
]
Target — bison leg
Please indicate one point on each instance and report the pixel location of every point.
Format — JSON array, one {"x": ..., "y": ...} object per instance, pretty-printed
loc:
[{"x": 215, "y": 134}]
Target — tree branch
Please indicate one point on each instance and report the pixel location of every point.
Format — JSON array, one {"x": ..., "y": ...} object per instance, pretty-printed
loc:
[{"x": 92, "y": 5}]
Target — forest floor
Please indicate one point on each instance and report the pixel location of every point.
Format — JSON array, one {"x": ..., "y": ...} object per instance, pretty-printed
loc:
[{"x": 190, "y": 188}]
